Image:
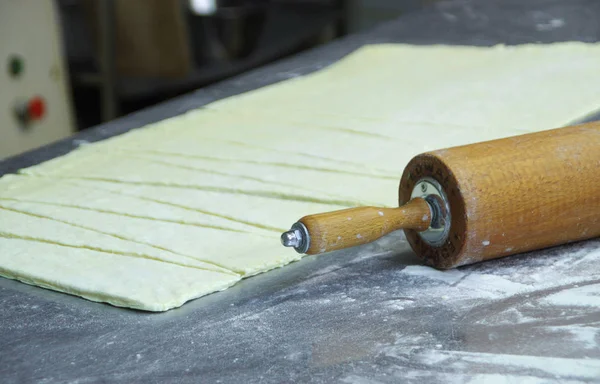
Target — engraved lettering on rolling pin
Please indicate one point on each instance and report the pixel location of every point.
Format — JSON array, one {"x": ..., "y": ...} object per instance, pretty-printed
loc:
[{"x": 485, "y": 200}]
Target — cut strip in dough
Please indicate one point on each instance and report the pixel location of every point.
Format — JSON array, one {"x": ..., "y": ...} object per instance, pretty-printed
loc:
[
  {"x": 78, "y": 194},
  {"x": 177, "y": 137},
  {"x": 342, "y": 145},
  {"x": 16, "y": 224},
  {"x": 274, "y": 214},
  {"x": 438, "y": 135},
  {"x": 122, "y": 168},
  {"x": 119, "y": 280},
  {"x": 360, "y": 150},
  {"x": 347, "y": 187},
  {"x": 243, "y": 253}
]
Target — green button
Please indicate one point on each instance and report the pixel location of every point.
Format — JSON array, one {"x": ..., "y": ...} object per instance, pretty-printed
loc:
[{"x": 15, "y": 66}]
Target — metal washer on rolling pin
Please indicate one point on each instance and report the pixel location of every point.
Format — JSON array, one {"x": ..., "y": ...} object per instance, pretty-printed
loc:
[
  {"x": 444, "y": 250},
  {"x": 441, "y": 219}
]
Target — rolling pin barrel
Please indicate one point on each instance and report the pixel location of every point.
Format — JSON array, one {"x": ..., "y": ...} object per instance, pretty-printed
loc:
[
  {"x": 481, "y": 201},
  {"x": 512, "y": 195}
]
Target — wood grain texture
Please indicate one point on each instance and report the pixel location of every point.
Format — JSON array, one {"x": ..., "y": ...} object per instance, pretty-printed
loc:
[
  {"x": 512, "y": 195},
  {"x": 354, "y": 226}
]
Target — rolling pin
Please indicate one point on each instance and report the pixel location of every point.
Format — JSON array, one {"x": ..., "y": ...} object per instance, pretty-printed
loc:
[{"x": 478, "y": 202}]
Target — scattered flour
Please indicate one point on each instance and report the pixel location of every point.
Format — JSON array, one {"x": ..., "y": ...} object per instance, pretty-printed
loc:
[
  {"x": 585, "y": 336},
  {"x": 492, "y": 284},
  {"x": 451, "y": 276},
  {"x": 578, "y": 296},
  {"x": 553, "y": 366}
]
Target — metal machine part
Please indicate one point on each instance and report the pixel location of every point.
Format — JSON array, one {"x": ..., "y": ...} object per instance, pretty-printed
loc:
[
  {"x": 430, "y": 190},
  {"x": 297, "y": 237}
]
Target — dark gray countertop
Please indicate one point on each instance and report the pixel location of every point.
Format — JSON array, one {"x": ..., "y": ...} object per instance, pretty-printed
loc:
[{"x": 370, "y": 314}]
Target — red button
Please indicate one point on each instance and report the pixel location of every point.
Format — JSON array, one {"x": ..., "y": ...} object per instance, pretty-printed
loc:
[{"x": 36, "y": 108}]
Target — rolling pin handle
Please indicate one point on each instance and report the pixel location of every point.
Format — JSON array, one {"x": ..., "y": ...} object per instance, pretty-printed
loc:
[{"x": 330, "y": 231}]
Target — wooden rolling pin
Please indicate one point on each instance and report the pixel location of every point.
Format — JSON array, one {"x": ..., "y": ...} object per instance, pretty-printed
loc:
[{"x": 478, "y": 202}]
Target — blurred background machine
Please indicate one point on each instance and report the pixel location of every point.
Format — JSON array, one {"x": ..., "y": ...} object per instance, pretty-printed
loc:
[
  {"x": 123, "y": 55},
  {"x": 35, "y": 106}
]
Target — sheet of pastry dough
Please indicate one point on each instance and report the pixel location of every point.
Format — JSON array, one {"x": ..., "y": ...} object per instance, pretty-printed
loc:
[
  {"x": 119, "y": 280},
  {"x": 385, "y": 152},
  {"x": 254, "y": 163},
  {"x": 529, "y": 87},
  {"x": 86, "y": 194},
  {"x": 88, "y": 164},
  {"x": 246, "y": 254},
  {"x": 261, "y": 212},
  {"x": 342, "y": 186},
  {"x": 28, "y": 225},
  {"x": 178, "y": 136}
]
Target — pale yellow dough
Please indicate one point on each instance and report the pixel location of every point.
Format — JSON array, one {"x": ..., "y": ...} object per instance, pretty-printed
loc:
[
  {"x": 119, "y": 280},
  {"x": 190, "y": 205}
]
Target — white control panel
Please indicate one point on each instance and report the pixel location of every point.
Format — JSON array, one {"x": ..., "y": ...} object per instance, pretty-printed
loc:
[{"x": 35, "y": 106}]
